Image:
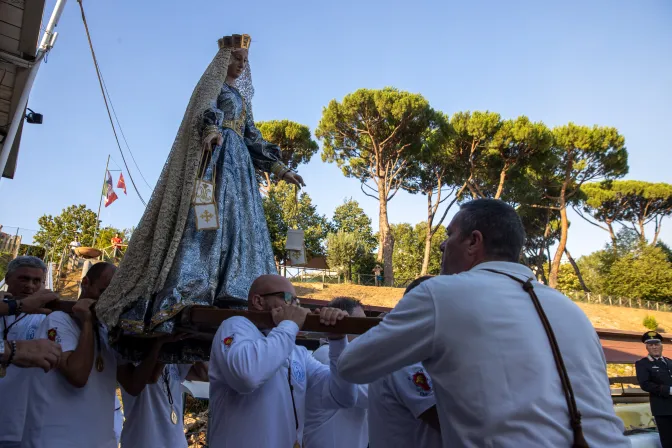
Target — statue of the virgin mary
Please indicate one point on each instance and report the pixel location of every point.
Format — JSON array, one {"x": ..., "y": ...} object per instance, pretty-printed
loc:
[{"x": 203, "y": 237}]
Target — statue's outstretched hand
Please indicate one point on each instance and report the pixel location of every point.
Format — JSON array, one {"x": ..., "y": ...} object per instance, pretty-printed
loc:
[
  {"x": 293, "y": 178},
  {"x": 213, "y": 138}
]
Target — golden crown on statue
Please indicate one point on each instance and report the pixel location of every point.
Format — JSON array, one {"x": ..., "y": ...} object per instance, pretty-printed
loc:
[{"x": 235, "y": 41}]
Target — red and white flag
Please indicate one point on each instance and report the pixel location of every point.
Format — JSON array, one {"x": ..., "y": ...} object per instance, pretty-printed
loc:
[
  {"x": 108, "y": 191},
  {"x": 121, "y": 183}
]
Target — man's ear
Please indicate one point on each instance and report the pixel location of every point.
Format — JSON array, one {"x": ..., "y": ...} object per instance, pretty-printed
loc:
[
  {"x": 476, "y": 242},
  {"x": 257, "y": 302}
]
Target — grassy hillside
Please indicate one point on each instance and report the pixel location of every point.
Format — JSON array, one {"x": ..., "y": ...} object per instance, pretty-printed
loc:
[{"x": 602, "y": 316}]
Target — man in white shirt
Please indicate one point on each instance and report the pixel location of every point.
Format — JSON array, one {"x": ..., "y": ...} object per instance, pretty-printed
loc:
[
  {"x": 258, "y": 381},
  {"x": 154, "y": 418},
  {"x": 72, "y": 406},
  {"x": 25, "y": 295},
  {"x": 482, "y": 342},
  {"x": 337, "y": 428},
  {"x": 402, "y": 406}
]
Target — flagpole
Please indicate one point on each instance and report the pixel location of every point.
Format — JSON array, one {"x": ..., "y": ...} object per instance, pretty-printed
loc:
[{"x": 95, "y": 233}]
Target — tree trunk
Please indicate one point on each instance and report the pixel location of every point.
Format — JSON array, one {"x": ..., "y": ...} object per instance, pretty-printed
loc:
[
  {"x": 428, "y": 237},
  {"x": 576, "y": 271},
  {"x": 642, "y": 236},
  {"x": 386, "y": 240},
  {"x": 502, "y": 179},
  {"x": 564, "y": 227},
  {"x": 612, "y": 234}
]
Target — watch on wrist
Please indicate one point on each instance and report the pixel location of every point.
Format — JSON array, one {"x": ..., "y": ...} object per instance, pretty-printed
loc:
[{"x": 11, "y": 305}]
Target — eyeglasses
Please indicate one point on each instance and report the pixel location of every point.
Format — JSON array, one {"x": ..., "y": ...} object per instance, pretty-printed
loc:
[{"x": 288, "y": 297}]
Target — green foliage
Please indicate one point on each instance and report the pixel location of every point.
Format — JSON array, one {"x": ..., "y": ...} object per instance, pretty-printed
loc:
[
  {"x": 285, "y": 209},
  {"x": 105, "y": 235},
  {"x": 343, "y": 249},
  {"x": 650, "y": 323},
  {"x": 57, "y": 232},
  {"x": 666, "y": 250},
  {"x": 294, "y": 139},
  {"x": 567, "y": 279},
  {"x": 350, "y": 217},
  {"x": 372, "y": 129},
  {"x": 35, "y": 251},
  {"x": 644, "y": 273},
  {"x": 628, "y": 201},
  {"x": 373, "y": 135},
  {"x": 5, "y": 258},
  {"x": 409, "y": 251}
]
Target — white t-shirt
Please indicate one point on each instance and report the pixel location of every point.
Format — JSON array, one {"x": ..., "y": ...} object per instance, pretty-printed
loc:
[
  {"x": 118, "y": 418},
  {"x": 14, "y": 386},
  {"x": 148, "y": 422},
  {"x": 335, "y": 428},
  {"x": 396, "y": 402},
  {"x": 61, "y": 415},
  {"x": 479, "y": 337},
  {"x": 249, "y": 384}
]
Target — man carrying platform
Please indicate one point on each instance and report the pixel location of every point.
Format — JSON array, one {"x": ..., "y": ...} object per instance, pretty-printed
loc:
[{"x": 263, "y": 376}]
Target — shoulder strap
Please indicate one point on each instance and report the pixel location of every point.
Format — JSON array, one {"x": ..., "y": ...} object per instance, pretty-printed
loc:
[{"x": 574, "y": 414}]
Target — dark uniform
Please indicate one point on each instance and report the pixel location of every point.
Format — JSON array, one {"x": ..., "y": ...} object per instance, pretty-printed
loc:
[{"x": 655, "y": 377}]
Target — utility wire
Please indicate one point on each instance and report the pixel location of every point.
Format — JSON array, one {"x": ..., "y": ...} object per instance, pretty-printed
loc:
[
  {"x": 109, "y": 114},
  {"x": 121, "y": 131}
]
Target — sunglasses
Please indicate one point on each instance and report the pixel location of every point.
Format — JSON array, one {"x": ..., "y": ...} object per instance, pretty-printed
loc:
[{"x": 288, "y": 297}]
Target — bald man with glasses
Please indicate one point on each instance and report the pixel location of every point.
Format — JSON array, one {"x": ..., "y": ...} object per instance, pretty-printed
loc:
[{"x": 259, "y": 377}]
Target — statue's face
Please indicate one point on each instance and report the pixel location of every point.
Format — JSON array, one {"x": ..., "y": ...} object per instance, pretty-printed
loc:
[{"x": 237, "y": 63}]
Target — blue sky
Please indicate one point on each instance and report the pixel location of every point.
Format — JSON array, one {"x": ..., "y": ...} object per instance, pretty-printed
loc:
[{"x": 599, "y": 62}]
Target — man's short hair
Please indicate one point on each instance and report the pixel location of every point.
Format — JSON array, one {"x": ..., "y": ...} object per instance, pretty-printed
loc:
[
  {"x": 501, "y": 227},
  {"x": 95, "y": 271},
  {"x": 25, "y": 261},
  {"x": 345, "y": 303},
  {"x": 416, "y": 283}
]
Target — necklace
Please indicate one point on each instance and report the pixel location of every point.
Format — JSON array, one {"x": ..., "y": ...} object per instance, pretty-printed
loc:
[
  {"x": 291, "y": 391},
  {"x": 100, "y": 364},
  {"x": 5, "y": 331},
  {"x": 173, "y": 414}
]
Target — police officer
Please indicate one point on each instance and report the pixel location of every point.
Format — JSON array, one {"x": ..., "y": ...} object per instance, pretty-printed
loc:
[{"x": 654, "y": 374}]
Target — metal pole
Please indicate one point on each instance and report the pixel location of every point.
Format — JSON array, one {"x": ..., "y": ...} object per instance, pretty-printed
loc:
[
  {"x": 95, "y": 233},
  {"x": 47, "y": 42}
]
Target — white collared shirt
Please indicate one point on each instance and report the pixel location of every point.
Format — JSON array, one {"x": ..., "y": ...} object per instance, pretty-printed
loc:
[
  {"x": 396, "y": 402},
  {"x": 249, "y": 384},
  {"x": 481, "y": 340},
  {"x": 61, "y": 415},
  {"x": 335, "y": 428},
  {"x": 14, "y": 386}
]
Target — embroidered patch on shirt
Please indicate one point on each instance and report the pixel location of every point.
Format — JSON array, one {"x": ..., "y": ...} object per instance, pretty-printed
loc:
[
  {"x": 297, "y": 372},
  {"x": 227, "y": 342},
  {"x": 52, "y": 334},
  {"x": 422, "y": 383}
]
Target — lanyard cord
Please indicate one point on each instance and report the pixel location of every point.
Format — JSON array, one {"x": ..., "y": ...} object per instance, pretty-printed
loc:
[
  {"x": 291, "y": 391},
  {"x": 165, "y": 381},
  {"x": 5, "y": 332}
]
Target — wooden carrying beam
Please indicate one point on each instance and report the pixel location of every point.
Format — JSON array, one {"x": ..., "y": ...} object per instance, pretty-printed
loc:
[
  {"x": 205, "y": 319},
  {"x": 208, "y": 318}
]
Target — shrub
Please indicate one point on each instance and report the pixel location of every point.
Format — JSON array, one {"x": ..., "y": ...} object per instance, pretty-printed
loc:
[{"x": 650, "y": 322}]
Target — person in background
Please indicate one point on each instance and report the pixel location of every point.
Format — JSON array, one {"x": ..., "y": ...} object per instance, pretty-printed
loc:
[
  {"x": 654, "y": 374},
  {"x": 336, "y": 428},
  {"x": 154, "y": 417},
  {"x": 378, "y": 275},
  {"x": 402, "y": 406},
  {"x": 258, "y": 380},
  {"x": 118, "y": 418},
  {"x": 73, "y": 405},
  {"x": 22, "y": 310},
  {"x": 480, "y": 337},
  {"x": 116, "y": 245}
]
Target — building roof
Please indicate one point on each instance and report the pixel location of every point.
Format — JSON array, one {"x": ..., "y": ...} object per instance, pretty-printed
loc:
[{"x": 20, "y": 22}]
